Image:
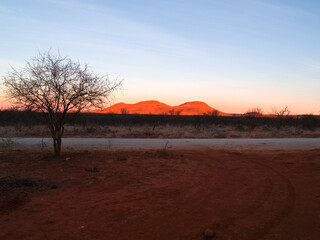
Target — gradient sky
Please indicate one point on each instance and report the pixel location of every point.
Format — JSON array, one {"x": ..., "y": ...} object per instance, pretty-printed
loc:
[{"x": 231, "y": 54}]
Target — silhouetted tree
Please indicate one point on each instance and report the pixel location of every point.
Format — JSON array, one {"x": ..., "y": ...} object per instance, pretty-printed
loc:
[
  {"x": 124, "y": 111},
  {"x": 254, "y": 112},
  {"x": 252, "y": 116},
  {"x": 213, "y": 113},
  {"x": 56, "y": 85},
  {"x": 281, "y": 115},
  {"x": 174, "y": 112}
]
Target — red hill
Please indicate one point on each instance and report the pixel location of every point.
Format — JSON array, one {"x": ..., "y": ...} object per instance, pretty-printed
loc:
[
  {"x": 155, "y": 107},
  {"x": 194, "y": 108},
  {"x": 146, "y": 107}
]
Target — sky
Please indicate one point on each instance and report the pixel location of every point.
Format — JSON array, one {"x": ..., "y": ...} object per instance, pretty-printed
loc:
[{"x": 232, "y": 54}]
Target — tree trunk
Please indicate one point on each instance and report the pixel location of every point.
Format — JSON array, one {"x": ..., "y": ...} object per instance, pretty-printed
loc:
[
  {"x": 57, "y": 129},
  {"x": 57, "y": 140},
  {"x": 57, "y": 146}
]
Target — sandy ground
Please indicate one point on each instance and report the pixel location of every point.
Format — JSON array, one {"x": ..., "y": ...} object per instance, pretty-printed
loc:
[
  {"x": 171, "y": 194},
  {"x": 71, "y": 144}
]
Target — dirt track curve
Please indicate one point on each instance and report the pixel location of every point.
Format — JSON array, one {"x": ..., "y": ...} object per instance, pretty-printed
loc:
[
  {"x": 243, "y": 210},
  {"x": 158, "y": 195}
]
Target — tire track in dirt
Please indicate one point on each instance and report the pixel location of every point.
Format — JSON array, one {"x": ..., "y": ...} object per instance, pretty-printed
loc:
[
  {"x": 288, "y": 204},
  {"x": 227, "y": 227},
  {"x": 185, "y": 210}
]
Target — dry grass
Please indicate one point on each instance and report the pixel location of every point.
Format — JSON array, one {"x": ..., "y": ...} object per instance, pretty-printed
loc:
[{"x": 163, "y": 131}]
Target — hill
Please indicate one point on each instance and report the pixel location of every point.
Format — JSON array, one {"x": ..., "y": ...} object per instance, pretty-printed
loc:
[{"x": 159, "y": 108}]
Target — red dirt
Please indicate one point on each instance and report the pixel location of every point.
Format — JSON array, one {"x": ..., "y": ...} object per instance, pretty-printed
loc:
[{"x": 164, "y": 195}]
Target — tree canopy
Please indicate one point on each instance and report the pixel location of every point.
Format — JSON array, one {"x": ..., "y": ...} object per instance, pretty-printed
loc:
[{"x": 56, "y": 85}]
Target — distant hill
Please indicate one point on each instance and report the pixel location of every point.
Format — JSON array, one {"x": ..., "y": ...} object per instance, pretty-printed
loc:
[{"x": 157, "y": 108}]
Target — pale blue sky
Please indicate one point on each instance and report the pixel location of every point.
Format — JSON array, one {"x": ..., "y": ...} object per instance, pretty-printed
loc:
[{"x": 233, "y": 55}]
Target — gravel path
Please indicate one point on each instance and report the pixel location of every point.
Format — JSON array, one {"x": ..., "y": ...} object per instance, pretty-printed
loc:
[{"x": 147, "y": 144}]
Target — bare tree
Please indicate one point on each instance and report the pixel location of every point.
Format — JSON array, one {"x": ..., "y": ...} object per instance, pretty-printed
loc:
[
  {"x": 281, "y": 115},
  {"x": 174, "y": 112},
  {"x": 57, "y": 85},
  {"x": 213, "y": 113},
  {"x": 254, "y": 112},
  {"x": 252, "y": 116},
  {"x": 124, "y": 111},
  {"x": 282, "y": 112},
  {"x": 171, "y": 112}
]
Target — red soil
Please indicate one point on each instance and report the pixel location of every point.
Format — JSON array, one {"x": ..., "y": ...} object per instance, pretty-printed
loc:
[
  {"x": 164, "y": 195},
  {"x": 155, "y": 107}
]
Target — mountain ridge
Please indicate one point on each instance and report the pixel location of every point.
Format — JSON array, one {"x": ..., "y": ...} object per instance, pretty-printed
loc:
[{"x": 158, "y": 108}]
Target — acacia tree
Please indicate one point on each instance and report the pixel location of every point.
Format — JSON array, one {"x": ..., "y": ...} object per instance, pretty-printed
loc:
[
  {"x": 254, "y": 112},
  {"x": 57, "y": 85},
  {"x": 281, "y": 115},
  {"x": 252, "y": 116}
]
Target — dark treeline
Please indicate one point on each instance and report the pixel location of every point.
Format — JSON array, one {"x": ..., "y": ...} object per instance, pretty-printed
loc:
[{"x": 29, "y": 118}]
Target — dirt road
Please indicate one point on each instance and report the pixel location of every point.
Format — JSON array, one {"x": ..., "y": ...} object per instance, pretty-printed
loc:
[
  {"x": 172, "y": 195},
  {"x": 147, "y": 144}
]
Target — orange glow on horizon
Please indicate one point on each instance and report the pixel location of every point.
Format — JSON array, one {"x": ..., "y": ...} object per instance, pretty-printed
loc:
[{"x": 187, "y": 108}]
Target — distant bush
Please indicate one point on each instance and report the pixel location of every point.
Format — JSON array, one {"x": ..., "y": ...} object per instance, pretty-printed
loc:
[
  {"x": 252, "y": 116},
  {"x": 309, "y": 122},
  {"x": 282, "y": 117},
  {"x": 29, "y": 118}
]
